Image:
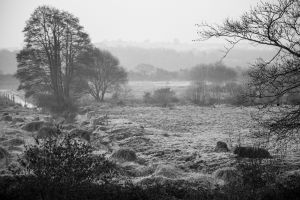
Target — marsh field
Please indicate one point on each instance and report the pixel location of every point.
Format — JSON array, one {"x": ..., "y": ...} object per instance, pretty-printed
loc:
[
  {"x": 150, "y": 100},
  {"x": 181, "y": 135},
  {"x": 150, "y": 144}
]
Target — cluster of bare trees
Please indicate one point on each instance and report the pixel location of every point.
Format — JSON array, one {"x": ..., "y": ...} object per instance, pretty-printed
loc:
[
  {"x": 276, "y": 25},
  {"x": 103, "y": 71},
  {"x": 51, "y": 65}
]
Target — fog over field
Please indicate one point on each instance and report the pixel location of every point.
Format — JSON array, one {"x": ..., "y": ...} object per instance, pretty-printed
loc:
[
  {"x": 168, "y": 56},
  {"x": 150, "y": 100}
]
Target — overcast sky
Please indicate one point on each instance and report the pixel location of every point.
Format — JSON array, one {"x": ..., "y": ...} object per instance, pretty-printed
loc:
[{"x": 128, "y": 20}]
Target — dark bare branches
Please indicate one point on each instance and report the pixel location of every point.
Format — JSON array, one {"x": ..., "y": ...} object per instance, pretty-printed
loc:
[
  {"x": 277, "y": 80},
  {"x": 270, "y": 24},
  {"x": 102, "y": 71}
]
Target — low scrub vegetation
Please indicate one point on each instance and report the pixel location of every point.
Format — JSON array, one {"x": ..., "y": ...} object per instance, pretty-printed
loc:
[
  {"x": 65, "y": 168},
  {"x": 163, "y": 97},
  {"x": 205, "y": 94},
  {"x": 253, "y": 179}
]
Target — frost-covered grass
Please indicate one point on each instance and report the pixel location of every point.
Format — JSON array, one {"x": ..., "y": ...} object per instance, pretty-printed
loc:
[{"x": 185, "y": 135}]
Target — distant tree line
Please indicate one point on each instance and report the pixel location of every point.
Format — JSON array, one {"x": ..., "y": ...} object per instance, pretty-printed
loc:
[{"x": 215, "y": 73}]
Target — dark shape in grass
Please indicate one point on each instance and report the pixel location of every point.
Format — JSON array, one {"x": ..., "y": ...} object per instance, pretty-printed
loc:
[
  {"x": 124, "y": 155},
  {"x": 251, "y": 152},
  {"x": 221, "y": 147}
]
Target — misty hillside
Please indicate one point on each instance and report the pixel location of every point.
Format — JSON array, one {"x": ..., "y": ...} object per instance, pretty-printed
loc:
[
  {"x": 166, "y": 56},
  {"x": 179, "y": 56}
]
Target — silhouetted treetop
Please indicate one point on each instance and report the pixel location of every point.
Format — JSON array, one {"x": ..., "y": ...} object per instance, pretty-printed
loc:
[{"x": 47, "y": 64}]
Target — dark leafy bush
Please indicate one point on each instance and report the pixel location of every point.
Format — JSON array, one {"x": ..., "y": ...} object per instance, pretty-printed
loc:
[
  {"x": 65, "y": 161},
  {"x": 259, "y": 181},
  {"x": 162, "y": 97},
  {"x": 251, "y": 152},
  {"x": 255, "y": 182}
]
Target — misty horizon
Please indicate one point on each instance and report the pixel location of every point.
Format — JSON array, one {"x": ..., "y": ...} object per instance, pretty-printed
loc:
[
  {"x": 135, "y": 21},
  {"x": 161, "y": 34},
  {"x": 168, "y": 56}
]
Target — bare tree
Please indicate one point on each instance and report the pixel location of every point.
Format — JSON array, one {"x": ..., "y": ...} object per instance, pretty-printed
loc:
[
  {"x": 102, "y": 72},
  {"x": 275, "y": 25}
]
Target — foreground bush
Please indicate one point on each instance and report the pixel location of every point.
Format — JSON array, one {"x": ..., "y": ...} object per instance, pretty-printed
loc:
[
  {"x": 257, "y": 181},
  {"x": 251, "y": 152},
  {"x": 64, "y": 163}
]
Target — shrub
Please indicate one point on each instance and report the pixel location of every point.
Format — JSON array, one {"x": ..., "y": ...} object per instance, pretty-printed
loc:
[
  {"x": 255, "y": 181},
  {"x": 198, "y": 93},
  {"x": 239, "y": 99},
  {"x": 124, "y": 155},
  {"x": 221, "y": 147},
  {"x": 237, "y": 94},
  {"x": 121, "y": 95},
  {"x": 64, "y": 161},
  {"x": 164, "y": 97},
  {"x": 251, "y": 152}
]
